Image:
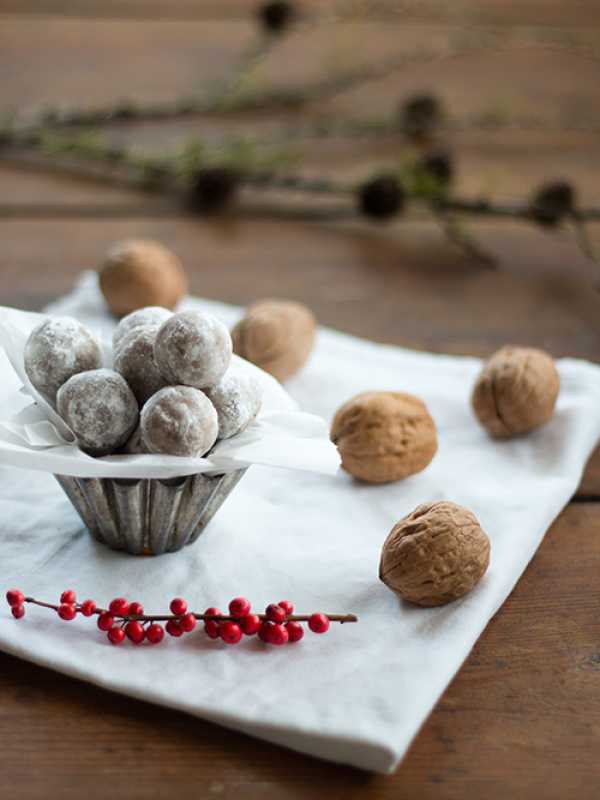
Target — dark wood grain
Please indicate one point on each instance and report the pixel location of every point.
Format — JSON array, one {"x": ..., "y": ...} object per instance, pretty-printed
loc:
[
  {"x": 522, "y": 718},
  {"x": 573, "y": 15}
]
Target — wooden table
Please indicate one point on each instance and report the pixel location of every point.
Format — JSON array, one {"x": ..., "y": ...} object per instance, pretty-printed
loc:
[{"x": 522, "y": 718}]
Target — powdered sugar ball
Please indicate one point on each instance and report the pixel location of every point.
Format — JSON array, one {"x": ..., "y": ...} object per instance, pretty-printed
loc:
[
  {"x": 134, "y": 446},
  {"x": 149, "y": 317},
  {"x": 179, "y": 421},
  {"x": 56, "y": 349},
  {"x": 100, "y": 409},
  {"x": 193, "y": 349},
  {"x": 237, "y": 398},
  {"x": 134, "y": 360}
]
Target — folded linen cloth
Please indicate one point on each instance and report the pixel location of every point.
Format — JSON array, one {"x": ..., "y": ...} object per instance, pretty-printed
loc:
[{"x": 361, "y": 692}]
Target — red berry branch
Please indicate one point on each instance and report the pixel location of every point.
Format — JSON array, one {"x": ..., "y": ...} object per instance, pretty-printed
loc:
[{"x": 123, "y": 619}]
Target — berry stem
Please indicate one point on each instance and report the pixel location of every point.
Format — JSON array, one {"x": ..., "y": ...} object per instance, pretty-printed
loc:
[
  {"x": 40, "y": 603},
  {"x": 341, "y": 618}
]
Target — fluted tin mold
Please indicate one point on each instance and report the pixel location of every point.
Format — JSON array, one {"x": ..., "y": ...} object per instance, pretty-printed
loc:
[{"x": 148, "y": 517}]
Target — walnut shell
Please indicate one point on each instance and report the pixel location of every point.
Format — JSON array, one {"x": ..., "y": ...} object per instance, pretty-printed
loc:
[
  {"x": 276, "y": 335},
  {"x": 384, "y": 436},
  {"x": 139, "y": 273},
  {"x": 516, "y": 391},
  {"x": 435, "y": 555}
]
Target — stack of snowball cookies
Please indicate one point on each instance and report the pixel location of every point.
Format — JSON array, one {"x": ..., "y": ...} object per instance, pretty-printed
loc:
[{"x": 173, "y": 389}]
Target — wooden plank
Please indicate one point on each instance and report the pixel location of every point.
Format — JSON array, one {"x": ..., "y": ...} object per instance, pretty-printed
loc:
[
  {"x": 82, "y": 62},
  {"x": 521, "y": 719},
  {"x": 467, "y": 12},
  {"x": 24, "y": 188},
  {"x": 138, "y": 9},
  {"x": 511, "y": 78},
  {"x": 590, "y": 483},
  {"x": 115, "y": 9}
]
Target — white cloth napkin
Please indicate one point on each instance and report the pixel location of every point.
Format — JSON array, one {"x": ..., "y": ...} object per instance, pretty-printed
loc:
[{"x": 359, "y": 693}]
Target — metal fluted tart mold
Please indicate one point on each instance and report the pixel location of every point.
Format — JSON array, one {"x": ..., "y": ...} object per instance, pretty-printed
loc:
[{"x": 148, "y": 516}]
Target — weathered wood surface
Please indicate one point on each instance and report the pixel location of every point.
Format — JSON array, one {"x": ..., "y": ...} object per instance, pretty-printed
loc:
[{"x": 522, "y": 718}]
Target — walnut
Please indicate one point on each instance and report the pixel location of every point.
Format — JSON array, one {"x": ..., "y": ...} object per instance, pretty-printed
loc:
[
  {"x": 435, "y": 555},
  {"x": 384, "y": 436},
  {"x": 516, "y": 391},
  {"x": 138, "y": 273},
  {"x": 276, "y": 335}
]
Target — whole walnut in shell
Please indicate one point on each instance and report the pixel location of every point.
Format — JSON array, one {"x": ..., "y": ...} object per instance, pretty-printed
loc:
[
  {"x": 516, "y": 391},
  {"x": 276, "y": 335},
  {"x": 138, "y": 273},
  {"x": 435, "y": 555},
  {"x": 384, "y": 436}
]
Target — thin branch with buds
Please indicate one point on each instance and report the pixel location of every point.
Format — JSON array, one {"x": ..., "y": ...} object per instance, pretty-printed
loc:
[{"x": 240, "y": 162}]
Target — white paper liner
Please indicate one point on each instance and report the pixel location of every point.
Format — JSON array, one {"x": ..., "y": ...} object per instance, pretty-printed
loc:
[{"x": 33, "y": 436}]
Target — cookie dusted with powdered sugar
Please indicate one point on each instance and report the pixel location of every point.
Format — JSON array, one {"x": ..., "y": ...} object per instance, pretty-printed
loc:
[
  {"x": 179, "y": 421},
  {"x": 100, "y": 409},
  {"x": 134, "y": 360},
  {"x": 193, "y": 349},
  {"x": 57, "y": 349},
  {"x": 237, "y": 399},
  {"x": 149, "y": 317},
  {"x": 134, "y": 446}
]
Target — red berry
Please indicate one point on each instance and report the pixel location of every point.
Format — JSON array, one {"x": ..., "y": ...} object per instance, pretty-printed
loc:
[
  {"x": 18, "y": 611},
  {"x": 211, "y": 626},
  {"x": 287, "y": 606},
  {"x": 295, "y": 631},
  {"x": 67, "y": 611},
  {"x": 69, "y": 597},
  {"x": 188, "y": 623},
  {"x": 230, "y": 632},
  {"x": 88, "y": 607},
  {"x": 264, "y": 632},
  {"x": 250, "y": 624},
  {"x": 155, "y": 633},
  {"x": 278, "y": 635},
  {"x": 318, "y": 623},
  {"x": 178, "y": 606},
  {"x": 135, "y": 631},
  {"x": 275, "y": 613},
  {"x": 136, "y": 609},
  {"x": 239, "y": 607},
  {"x": 15, "y": 598},
  {"x": 119, "y": 607},
  {"x": 105, "y": 621},
  {"x": 174, "y": 628},
  {"x": 116, "y": 635}
]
